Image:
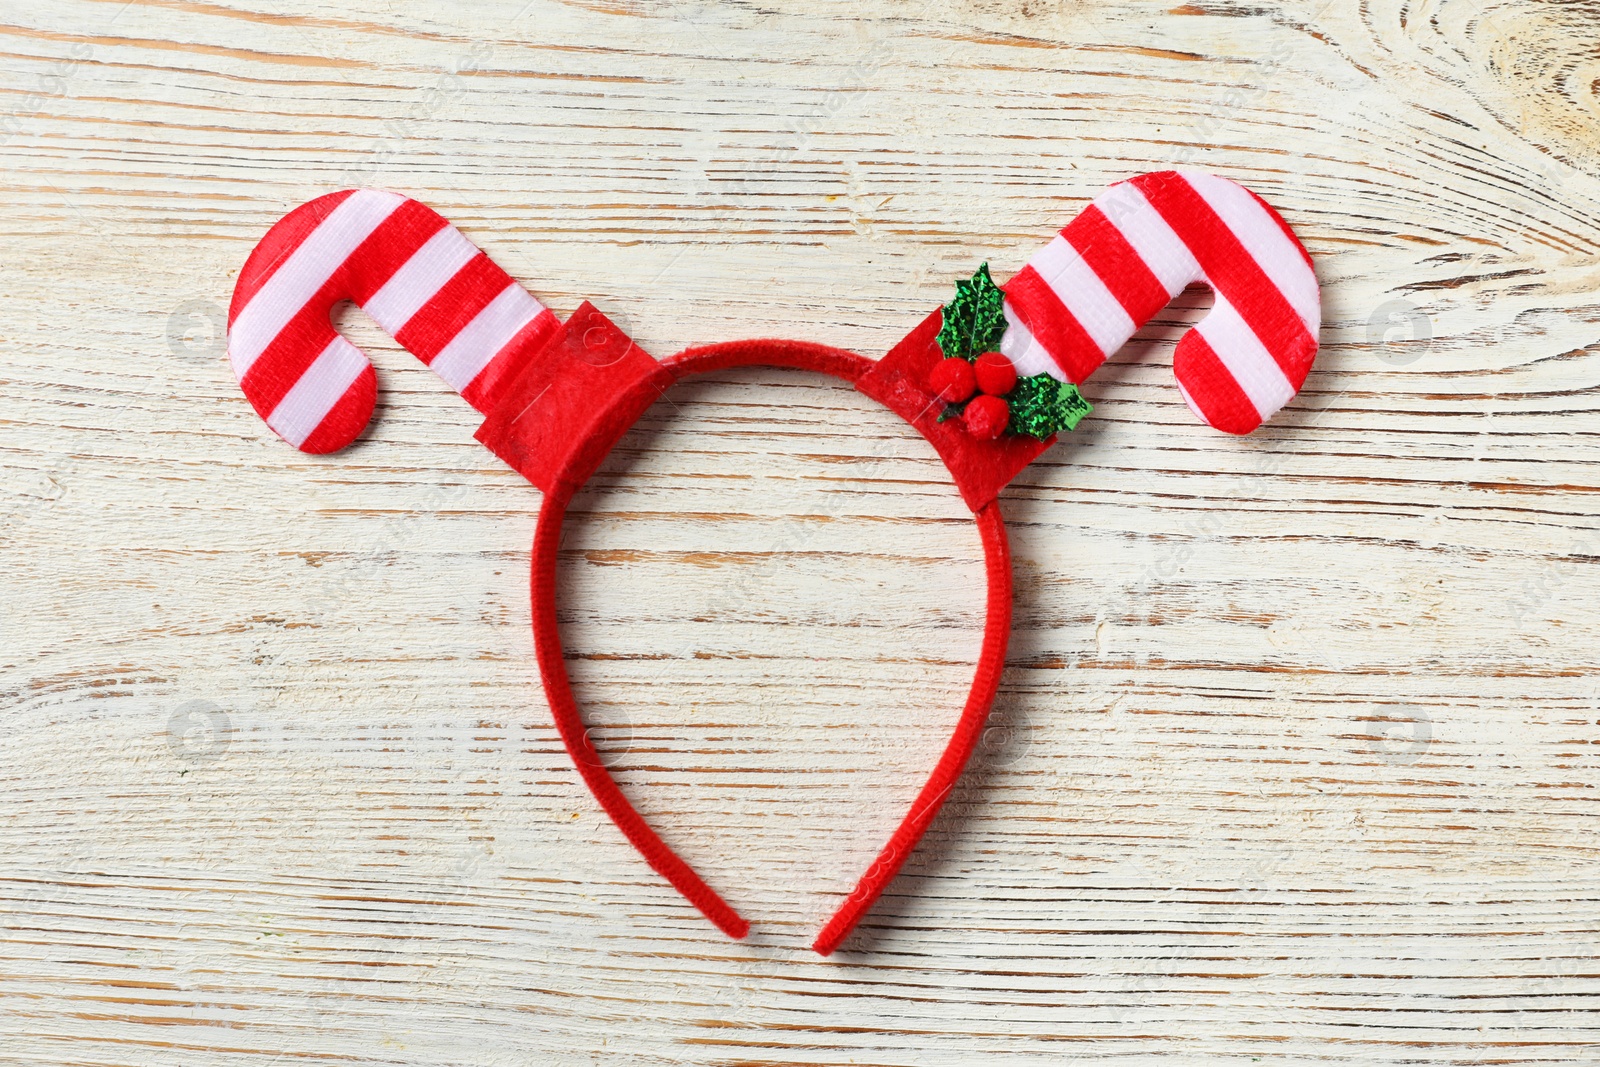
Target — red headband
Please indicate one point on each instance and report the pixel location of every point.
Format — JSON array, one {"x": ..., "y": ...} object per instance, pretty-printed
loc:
[{"x": 988, "y": 380}]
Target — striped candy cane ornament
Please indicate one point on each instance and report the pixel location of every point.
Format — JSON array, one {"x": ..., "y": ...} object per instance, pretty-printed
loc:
[
  {"x": 1136, "y": 247},
  {"x": 429, "y": 287}
]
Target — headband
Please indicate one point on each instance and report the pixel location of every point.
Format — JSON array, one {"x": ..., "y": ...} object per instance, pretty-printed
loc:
[{"x": 989, "y": 379}]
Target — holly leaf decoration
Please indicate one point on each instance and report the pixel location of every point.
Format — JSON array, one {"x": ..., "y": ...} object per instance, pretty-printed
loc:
[
  {"x": 1041, "y": 406},
  {"x": 973, "y": 321}
]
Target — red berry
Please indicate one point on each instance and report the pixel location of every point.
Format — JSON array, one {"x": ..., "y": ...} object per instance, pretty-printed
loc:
[
  {"x": 996, "y": 376},
  {"x": 952, "y": 380},
  {"x": 985, "y": 417}
]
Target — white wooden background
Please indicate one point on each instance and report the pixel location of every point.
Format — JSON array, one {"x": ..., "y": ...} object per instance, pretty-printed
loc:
[{"x": 1297, "y": 755}]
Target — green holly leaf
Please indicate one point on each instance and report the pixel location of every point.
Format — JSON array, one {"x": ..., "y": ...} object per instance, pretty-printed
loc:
[
  {"x": 1041, "y": 406},
  {"x": 974, "y": 321}
]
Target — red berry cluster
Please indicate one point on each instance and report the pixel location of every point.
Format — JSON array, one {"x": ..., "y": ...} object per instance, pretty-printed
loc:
[{"x": 955, "y": 380}]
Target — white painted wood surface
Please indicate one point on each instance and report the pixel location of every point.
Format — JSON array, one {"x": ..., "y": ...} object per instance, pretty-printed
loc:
[{"x": 1297, "y": 755}]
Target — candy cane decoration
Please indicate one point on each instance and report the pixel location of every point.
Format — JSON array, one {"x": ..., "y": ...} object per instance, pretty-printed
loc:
[
  {"x": 557, "y": 397},
  {"x": 1136, "y": 247},
  {"x": 429, "y": 287}
]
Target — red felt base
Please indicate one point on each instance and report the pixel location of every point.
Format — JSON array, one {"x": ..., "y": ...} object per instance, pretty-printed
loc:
[
  {"x": 572, "y": 400},
  {"x": 562, "y": 468},
  {"x": 902, "y": 382}
]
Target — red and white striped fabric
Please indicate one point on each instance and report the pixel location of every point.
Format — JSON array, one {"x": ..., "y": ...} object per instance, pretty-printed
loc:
[
  {"x": 1135, "y": 248},
  {"x": 429, "y": 287}
]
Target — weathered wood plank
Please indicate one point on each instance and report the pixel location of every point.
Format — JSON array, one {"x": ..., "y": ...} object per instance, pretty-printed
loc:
[{"x": 1296, "y": 756}]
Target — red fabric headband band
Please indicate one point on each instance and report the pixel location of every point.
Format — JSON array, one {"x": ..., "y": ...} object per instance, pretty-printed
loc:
[
  {"x": 565, "y": 477},
  {"x": 987, "y": 380}
]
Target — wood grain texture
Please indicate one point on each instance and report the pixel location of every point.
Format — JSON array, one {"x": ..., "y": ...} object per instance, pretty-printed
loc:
[{"x": 1297, "y": 754}]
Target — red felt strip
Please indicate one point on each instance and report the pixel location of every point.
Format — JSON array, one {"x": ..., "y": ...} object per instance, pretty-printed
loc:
[
  {"x": 294, "y": 349},
  {"x": 388, "y": 248},
  {"x": 286, "y": 235},
  {"x": 457, "y": 303},
  {"x": 485, "y": 391},
  {"x": 1048, "y": 319},
  {"x": 1114, "y": 260},
  {"x": 339, "y": 426},
  {"x": 1211, "y": 387},
  {"x": 1232, "y": 270},
  {"x": 573, "y": 398}
]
